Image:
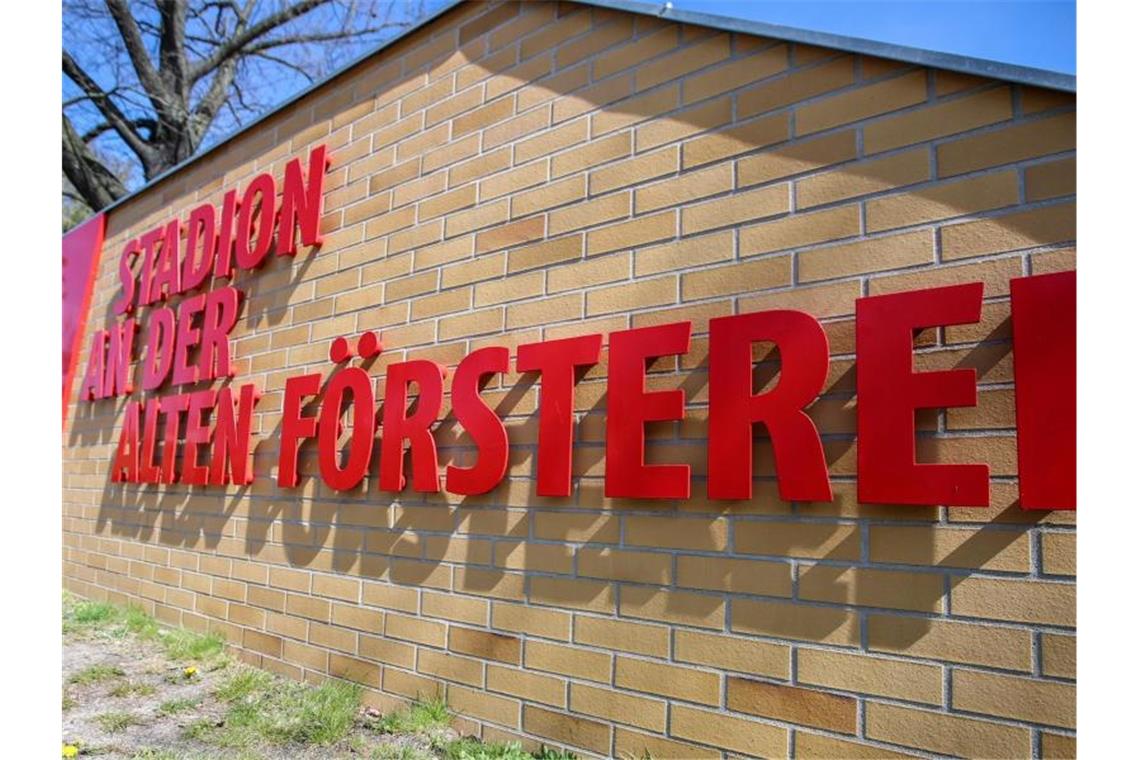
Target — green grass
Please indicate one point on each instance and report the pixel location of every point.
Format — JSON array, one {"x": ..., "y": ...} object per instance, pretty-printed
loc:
[
  {"x": 422, "y": 716},
  {"x": 243, "y": 683},
  {"x": 96, "y": 674},
  {"x": 175, "y": 706},
  {"x": 129, "y": 688},
  {"x": 114, "y": 722},
  {"x": 117, "y": 622},
  {"x": 401, "y": 752}
]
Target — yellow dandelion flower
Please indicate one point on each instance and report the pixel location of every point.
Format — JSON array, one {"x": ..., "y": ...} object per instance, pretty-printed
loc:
[
  {"x": 70, "y": 750},
  {"x": 190, "y": 672}
]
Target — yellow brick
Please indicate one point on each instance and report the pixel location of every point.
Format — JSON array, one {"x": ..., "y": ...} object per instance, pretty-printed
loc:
[
  {"x": 736, "y": 74},
  {"x": 819, "y": 747},
  {"x": 509, "y": 289},
  {"x": 552, "y": 140},
  {"x": 639, "y": 638},
  {"x": 1022, "y": 601},
  {"x": 1059, "y": 655},
  {"x": 1051, "y": 180},
  {"x": 568, "y": 661},
  {"x": 544, "y": 311},
  {"x": 720, "y": 730},
  {"x": 589, "y": 213},
  {"x": 799, "y": 85},
  {"x": 705, "y": 249},
  {"x": 533, "y": 621},
  {"x": 482, "y": 117},
  {"x": 794, "y": 621},
  {"x": 510, "y": 235},
  {"x": 473, "y": 219},
  {"x": 1059, "y": 553},
  {"x": 797, "y": 158},
  {"x": 945, "y": 734},
  {"x": 1010, "y": 232},
  {"x": 1016, "y": 697},
  {"x": 736, "y": 575},
  {"x": 800, "y": 230},
  {"x": 635, "y": 170},
  {"x": 471, "y": 271},
  {"x": 878, "y": 254},
  {"x": 1019, "y": 141},
  {"x": 387, "y": 651},
  {"x": 534, "y": 557},
  {"x": 688, "y": 187},
  {"x": 577, "y": 528},
  {"x": 946, "y": 118},
  {"x": 390, "y": 597},
  {"x": 737, "y": 278},
  {"x": 549, "y": 252},
  {"x": 634, "y": 110},
  {"x": 485, "y": 645},
  {"x": 566, "y": 729},
  {"x": 641, "y": 567},
  {"x": 520, "y": 126},
  {"x": 591, "y": 154},
  {"x": 629, "y": 743},
  {"x": 794, "y": 705},
  {"x": 734, "y": 209},
  {"x": 699, "y": 610},
  {"x": 587, "y": 273},
  {"x": 994, "y": 274},
  {"x": 444, "y": 303},
  {"x": 548, "y": 196},
  {"x": 450, "y": 667},
  {"x": 532, "y": 687},
  {"x": 635, "y": 295},
  {"x": 576, "y": 593},
  {"x": 678, "y": 682},
  {"x": 861, "y": 103},
  {"x": 636, "y": 232},
  {"x": 475, "y": 703},
  {"x": 704, "y": 53},
  {"x": 730, "y": 653},
  {"x": 478, "y": 167},
  {"x": 506, "y": 183},
  {"x": 415, "y": 629},
  {"x": 669, "y": 532},
  {"x": 942, "y": 201},
  {"x": 870, "y": 675},
  {"x": 813, "y": 540},
  {"x": 733, "y": 141},
  {"x": 873, "y": 176},
  {"x": 1058, "y": 746},
  {"x": 619, "y": 707},
  {"x": 643, "y": 49},
  {"x": 715, "y": 113}
]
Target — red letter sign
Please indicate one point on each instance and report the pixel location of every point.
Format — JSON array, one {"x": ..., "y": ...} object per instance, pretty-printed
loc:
[
  {"x": 801, "y": 469},
  {"x": 1045, "y": 388},
  {"x": 556, "y": 360},
  {"x": 428, "y": 376},
  {"x": 889, "y": 391},
  {"x": 480, "y": 422},
  {"x": 630, "y": 406}
]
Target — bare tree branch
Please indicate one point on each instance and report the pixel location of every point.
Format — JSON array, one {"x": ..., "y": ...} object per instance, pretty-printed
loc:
[
  {"x": 120, "y": 123},
  {"x": 238, "y": 42}
]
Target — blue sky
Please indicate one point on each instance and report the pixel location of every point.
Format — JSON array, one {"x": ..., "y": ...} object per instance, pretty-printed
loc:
[{"x": 1038, "y": 33}]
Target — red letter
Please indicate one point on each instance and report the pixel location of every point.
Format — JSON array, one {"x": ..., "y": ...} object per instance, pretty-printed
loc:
[
  {"x": 630, "y": 406},
  {"x": 302, "y": 205},
  {"x": 148, "y": 471},
  {"x": 229, "y": 462},
  {"x": 126, "y": 466},
  {"x": 159, "y": 349},
  {"x": 398, "y": 426},
  {"x": 480, "y": 422},
  {"x": 223, "y": 261},
  {"x": 295, "y": 426},
  {"x": 149, "y": 243},
  {"x": 197, "y": 434},
  {"x": 250, "y": 255},
  {"x": 196, "y": 268},
  {"x": 346, "y": 478},
  {"x": 127, "y": 301},
  {"x": 801, "y": 469},
  {"x": 220, "y": 317},
  {"x": 888, "y": 392},
  {"x": 119, "y": 358},
  {"x": 94, "y": 377},
  {"x": 555, "y": 361},
  {"x": 1045, "y": 388},
  {"x": 167, "y": 272},
  {"x": 188, "y": 337}
]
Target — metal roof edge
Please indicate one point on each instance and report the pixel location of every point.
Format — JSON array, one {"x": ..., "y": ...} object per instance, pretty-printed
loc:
[
  {"x": 964, "y": 64},
  {"x": 1053, "y": 80}
]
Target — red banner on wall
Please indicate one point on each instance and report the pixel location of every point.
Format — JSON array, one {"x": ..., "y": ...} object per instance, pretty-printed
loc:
[{"x": 82, "y": 247}]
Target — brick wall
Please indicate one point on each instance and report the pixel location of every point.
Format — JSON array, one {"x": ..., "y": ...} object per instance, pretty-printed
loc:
[{"x": 510, "y": 174}]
